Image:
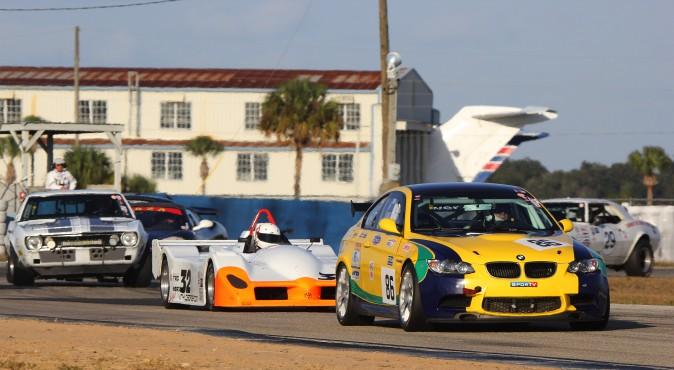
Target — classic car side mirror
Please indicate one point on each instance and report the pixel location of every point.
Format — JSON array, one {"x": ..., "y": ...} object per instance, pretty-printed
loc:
[
  {"x": 389, "y": 226},
  {"x": 203, "y": 224},
  {"x": 566, "y": 224}
]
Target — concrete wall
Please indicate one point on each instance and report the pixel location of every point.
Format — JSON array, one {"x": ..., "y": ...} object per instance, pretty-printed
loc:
[{"x": 663, "y": 218}]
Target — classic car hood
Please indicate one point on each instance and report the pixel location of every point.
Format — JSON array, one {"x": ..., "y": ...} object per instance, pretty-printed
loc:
[
  {"x": 506, "y": 247},
  {"x": 77, "y": 225}
]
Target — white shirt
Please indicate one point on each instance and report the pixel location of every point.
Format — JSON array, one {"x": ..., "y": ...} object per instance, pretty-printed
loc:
[{"x": 60, "y": 180}]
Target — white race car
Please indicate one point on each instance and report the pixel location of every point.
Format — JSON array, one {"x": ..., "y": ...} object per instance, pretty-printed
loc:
[
  {"x": 623, "y": 241},
  {"x": 261, "y": 269}
]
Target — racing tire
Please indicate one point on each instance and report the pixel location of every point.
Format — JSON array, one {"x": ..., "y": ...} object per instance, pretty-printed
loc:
[
  {"x": 140, "y": 276},
  {"x": 640, "y": 262},
  {"x": 347, "y": 314},
  {"x": 410, "y": 307},
  {"x": 594, "y": 325},
  {"x": 16, "y": 273},
  {"x": 210, "y": 288},
  {"x": 165, "y": 284}
]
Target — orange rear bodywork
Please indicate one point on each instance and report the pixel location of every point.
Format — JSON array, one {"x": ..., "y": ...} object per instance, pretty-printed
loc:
[{"x": 233, "y": 288}]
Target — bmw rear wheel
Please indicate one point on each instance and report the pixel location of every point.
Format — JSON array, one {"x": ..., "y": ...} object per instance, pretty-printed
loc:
[
  {"x": 409, "y": 305},
  {"x": 210, "y": 287},
  {"x": 345, "y": 305}
]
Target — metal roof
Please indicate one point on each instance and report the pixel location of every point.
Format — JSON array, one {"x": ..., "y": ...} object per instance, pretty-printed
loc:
[{"x": 186, "y": 77}]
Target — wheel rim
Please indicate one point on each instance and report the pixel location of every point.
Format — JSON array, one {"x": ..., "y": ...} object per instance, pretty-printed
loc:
[
  {"x": 342, "y": 292},
  {"x": 164, "y": 282},
  {"x": 646, "y": 260},
  {"x": 406, "y": 296},
  {"x": 210, "y": 285}
]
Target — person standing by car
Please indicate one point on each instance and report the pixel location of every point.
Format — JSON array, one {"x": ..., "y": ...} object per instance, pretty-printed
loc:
[{"x": 60, "y": 178}]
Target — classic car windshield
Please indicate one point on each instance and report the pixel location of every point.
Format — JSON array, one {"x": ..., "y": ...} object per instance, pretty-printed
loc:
[
  {"x": 161, "y": 218},
  {"x": 573, "y": 211},
  {"x": 75, "y": 205},
  {"x": 439, "y": 215}
]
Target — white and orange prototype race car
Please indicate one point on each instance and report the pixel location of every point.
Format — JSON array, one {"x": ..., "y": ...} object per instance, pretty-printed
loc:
[{"x": 263, "y": 268}]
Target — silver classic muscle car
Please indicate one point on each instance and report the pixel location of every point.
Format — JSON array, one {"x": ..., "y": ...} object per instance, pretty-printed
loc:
[{"x": 75, "y": 234}]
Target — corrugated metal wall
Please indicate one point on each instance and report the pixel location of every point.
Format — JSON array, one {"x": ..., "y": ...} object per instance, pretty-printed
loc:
[{"x": 307, "y": 218}]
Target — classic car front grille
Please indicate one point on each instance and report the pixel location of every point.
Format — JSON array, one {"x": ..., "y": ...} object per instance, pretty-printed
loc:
[
  {"x": 85, "y": 240},
  {"x": 504, "y": 269},
  {"x": 540, "y": 269},
  {"x": 521, "y": 305}
]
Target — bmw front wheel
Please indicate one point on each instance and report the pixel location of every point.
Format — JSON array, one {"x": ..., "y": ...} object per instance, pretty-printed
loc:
[{"x": 409, "y": 305}]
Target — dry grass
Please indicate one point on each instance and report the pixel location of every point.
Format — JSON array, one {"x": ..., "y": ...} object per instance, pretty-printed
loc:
[{"x": 639, "y": 290}]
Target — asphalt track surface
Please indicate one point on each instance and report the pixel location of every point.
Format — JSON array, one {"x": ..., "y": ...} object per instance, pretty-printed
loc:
[{"x": 637, "y": 336}]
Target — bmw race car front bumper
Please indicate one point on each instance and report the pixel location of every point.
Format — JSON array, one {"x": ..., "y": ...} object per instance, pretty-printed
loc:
[{"x": 464, "y": 298}]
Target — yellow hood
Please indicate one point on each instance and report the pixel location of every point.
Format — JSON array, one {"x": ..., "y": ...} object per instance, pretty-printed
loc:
[{"x": 485, "y": 248}]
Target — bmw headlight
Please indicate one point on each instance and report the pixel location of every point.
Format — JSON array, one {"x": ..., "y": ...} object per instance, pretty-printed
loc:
[
  {"x": 129, "y": 239},
  {"x": 584, "y": 266},
  {"x": 33, "y": 242},
  {"x": 450, "y": 267}
]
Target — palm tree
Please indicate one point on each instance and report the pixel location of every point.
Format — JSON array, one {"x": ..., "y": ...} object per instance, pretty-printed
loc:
[
  {"x": 650, "y": 162},
  {"x": 299, "y": 112},
  {"x": 203, "y": 146},
  {"x": 88, "y": 165},
  {"x": 9, "y": 150}
]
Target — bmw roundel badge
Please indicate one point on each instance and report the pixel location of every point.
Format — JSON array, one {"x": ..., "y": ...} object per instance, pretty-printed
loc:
[{"x": 520, "y": 257}]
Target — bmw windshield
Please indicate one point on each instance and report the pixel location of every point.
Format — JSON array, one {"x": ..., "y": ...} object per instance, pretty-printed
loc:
[{"x": 442, "y": 215}]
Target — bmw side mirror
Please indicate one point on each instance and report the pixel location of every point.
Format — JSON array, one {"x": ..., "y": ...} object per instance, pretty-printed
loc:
[
  {"x": 388, "y": 225},
  {"x": 566, "y": 225}
]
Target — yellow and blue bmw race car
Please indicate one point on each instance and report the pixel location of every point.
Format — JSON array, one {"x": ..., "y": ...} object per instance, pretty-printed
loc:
[{"x": 466, "y": 251}]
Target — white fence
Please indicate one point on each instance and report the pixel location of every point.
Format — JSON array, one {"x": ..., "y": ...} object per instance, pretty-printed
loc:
[{"x": 663, "y": 218}]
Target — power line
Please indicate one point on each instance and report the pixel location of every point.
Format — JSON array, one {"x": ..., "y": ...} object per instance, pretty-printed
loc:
[{"x": 154, "y": 2}]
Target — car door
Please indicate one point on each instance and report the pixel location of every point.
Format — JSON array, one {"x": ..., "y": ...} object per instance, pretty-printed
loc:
[
  {"x": 369, "y": 237},
  {"x": 610, "y": 239},
  {"x": 380, "y": 251}
]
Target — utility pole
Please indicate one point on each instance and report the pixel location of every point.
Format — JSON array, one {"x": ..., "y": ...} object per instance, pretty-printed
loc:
[
  {"x": 76, "y": 77},
  {"x": 385, "y": 96}
]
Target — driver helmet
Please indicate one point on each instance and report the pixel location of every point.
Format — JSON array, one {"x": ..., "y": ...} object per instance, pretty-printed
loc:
[
  {"x": 266, "y": 235},
  {"x": 501, "y": 212}
]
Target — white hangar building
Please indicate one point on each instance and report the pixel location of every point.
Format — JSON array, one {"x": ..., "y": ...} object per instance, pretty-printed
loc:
[{"x": 162, "y": 108}]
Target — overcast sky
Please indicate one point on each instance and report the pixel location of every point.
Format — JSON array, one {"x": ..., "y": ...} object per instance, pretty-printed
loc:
[{"x": 606, "y": 66}]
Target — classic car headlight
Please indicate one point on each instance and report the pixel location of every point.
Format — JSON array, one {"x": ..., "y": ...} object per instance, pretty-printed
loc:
[
  {"x": 129, "y": 239},
  {"x": 584, "y": 266},
  {"x": 114, "y": 240},
  {"x": 33, "y": 242},
  {"x": 450, "y": 267}
]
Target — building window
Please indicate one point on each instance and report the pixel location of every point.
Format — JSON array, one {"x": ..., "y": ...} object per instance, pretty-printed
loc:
[
  {"x": 337, "y": 167},
  {"x": 167, "y": 165},
  {"x": 350, "y": 116},
  {"x": 176, "y": 114},
  {"x": 10, "y": 110},
  {"x": 251, "y": 167},
  {"x": 93, "y": 111},
  {"x": 253, "y": 114}
]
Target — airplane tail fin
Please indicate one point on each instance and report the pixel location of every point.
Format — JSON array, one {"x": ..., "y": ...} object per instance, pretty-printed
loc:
[{"x": 474, "y": 143}]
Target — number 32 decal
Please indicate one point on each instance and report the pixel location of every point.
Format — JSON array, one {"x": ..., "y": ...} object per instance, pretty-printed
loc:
[{"x": 388, "y": 290}]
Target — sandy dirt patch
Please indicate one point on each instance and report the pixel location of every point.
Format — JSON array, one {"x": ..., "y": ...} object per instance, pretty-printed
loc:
[{"x": 32, "y": 344}]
